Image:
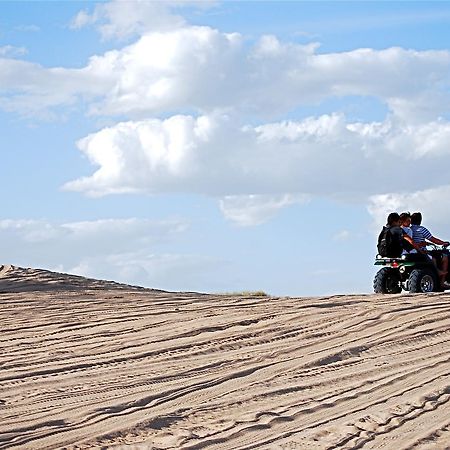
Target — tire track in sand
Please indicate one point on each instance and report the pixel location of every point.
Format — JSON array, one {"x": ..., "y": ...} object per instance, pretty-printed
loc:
[{"x": 91, "y": 363}]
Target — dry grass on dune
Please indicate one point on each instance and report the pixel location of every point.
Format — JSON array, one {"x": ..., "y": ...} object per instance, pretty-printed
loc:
[{"x": 95, "y": 364}]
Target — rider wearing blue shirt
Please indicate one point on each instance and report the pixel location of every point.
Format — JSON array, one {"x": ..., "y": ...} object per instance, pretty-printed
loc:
[{"x": 421, "y": 235}]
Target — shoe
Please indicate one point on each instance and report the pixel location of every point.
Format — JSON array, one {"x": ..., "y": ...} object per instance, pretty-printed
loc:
[{"x": 445, "y": 286}]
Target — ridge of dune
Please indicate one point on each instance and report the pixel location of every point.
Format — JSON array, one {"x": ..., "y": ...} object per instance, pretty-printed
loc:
[
  {"x": 92, "y": 364},
  {"x": 4, "y": 269},
  {"x": 19, "y": 279}
]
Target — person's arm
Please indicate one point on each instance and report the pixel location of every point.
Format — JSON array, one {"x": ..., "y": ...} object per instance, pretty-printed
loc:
[
  {"x": 408, "y": 239},
  {"x": 437, "y": 241},
  {"x": 429, "y": 237}
]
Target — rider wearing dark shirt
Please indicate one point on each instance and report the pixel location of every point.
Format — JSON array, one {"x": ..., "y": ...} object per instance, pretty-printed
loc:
[{"x": 399, "y": 239}]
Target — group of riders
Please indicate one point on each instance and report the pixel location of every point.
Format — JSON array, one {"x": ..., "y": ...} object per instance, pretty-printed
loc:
[{"x": 404, "y": 234}]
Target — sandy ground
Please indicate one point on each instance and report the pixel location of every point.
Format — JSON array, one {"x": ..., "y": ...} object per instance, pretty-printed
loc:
[{"x": 92, "y": 364}]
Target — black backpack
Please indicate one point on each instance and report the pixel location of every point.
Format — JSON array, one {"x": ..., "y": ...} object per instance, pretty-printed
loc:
[
  {"x": 384, "y": 242},
  {"x": 388, "y": 245}
]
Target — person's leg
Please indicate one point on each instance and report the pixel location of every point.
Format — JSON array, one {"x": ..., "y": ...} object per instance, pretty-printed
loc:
[
  {"x": 439, "y": 271},
  {"x": 444, "y": 269},
  {"x": 440, "y": 260}
]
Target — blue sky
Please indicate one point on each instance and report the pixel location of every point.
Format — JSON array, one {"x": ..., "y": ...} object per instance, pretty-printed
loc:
[{"x": 220, "y": 146}]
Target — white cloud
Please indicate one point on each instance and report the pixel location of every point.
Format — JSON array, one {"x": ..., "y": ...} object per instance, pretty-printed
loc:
[
  {"x": 342, "y": 235},
  {"x": 193, "y": 67},
  {"x": 430, "y": 202},
  {"x": 82, "y": 19},
  {"x": 31, "y": 231},
  {"x": 216, "y": 156},
  {"x": 228, "y": 84},
  {"x": 120, "y": 19},
  {"x": 202, "y": 69},
  {"x": 99, "y": 233},
  {"x": 32, "y": 90},
  {"x": 124, "y": 250},
  {"x": 251, "y": 210},
  {"x": 163, "y": 271},
  {"x": 11, "y": 51}
]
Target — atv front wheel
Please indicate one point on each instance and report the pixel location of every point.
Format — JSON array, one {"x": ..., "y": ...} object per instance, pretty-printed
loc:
[
  {"x": 422, "y": 281},
  {"x": 387, "y": 281}
]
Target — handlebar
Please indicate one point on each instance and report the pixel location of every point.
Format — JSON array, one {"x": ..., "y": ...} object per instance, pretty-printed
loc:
[{"x": 444, "y": 246}]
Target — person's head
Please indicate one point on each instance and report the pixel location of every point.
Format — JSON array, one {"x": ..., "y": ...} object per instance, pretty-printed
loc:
[
  {"x": 393, "y": 219},
  {"x": 416, "y": 218},
  {"x": 405, "y": 219}
]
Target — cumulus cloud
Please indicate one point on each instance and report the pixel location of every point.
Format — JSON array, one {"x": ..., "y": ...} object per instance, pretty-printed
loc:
[
  {"x": 202, "y": 69},
  {"x": 119, "y": 19},
  {"x": 214, "y": 156},
  {"x": 204, "y": 113}
]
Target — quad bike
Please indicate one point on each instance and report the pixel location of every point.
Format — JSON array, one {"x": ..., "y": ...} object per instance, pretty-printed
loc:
[{"x": 411, "y": 272}]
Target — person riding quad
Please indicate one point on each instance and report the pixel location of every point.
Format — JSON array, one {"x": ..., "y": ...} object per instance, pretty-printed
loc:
[
  {"x": 420, "y": 237},
  {"x": 393, "y": 240},
  {"x": 405, "y": 224}
]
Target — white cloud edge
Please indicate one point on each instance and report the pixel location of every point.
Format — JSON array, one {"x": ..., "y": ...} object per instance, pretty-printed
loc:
[
  {"x": 38, "y": 231},
  {"x": 430, "y": 202},
  {"x": 252, "y": 210},
  {"x": 12, "y": 51}
]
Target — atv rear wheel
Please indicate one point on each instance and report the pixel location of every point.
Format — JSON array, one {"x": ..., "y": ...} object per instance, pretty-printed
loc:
[
  {"x": 422, "y": 281},
  {"x": 387, "y": 281}
]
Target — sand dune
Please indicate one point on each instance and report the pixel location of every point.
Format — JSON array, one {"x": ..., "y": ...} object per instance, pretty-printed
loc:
[{"x": 96, "y": 364}]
